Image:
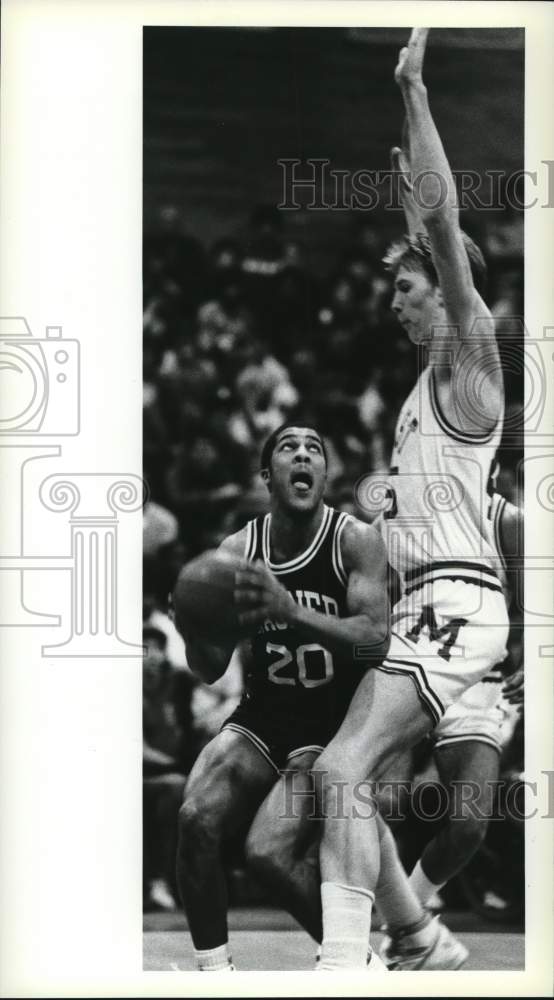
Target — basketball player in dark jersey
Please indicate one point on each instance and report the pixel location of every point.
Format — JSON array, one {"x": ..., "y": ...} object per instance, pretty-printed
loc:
[{"x": 313, "y": 588}]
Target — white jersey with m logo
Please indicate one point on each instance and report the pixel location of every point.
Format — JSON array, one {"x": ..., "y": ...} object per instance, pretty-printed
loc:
[
  {"x": 450, "y": 626},
  {"x": 437, "y": 492}
]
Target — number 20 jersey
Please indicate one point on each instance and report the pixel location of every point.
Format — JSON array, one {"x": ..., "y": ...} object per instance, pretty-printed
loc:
[
  {"x": 438, "y": 498},
  {"x": 289, "y": 674}
]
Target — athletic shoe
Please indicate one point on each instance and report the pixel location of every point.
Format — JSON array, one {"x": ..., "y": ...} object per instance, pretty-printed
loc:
[
  {"x": 404, "y": 954},
  {"x": 375, "y": 964}
]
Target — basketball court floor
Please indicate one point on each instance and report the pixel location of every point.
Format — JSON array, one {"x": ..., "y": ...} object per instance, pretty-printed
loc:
[{"x": 266, "y": 940}]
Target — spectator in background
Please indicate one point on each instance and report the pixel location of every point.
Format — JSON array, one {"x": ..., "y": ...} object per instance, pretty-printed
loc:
[
  {"x": 368, "y": 238},
  {"x": 154, "y": 617},
  {"x": 155, "y": 448},
  {"x": 224, "y": 319},
  {"x": 167, "y": 756},
  {"x": 265, "y": 394},
  {"x": 225, "y": 255},
  {"x": 159, "y": 529},
  {"x": 200, "y": 484},
  {"x": 263, "y": 261},
  {"x": 264, "y": 254},
  {"x": 372, "y": 410},
  {"x": 174, "y": 262},
  {"x": 161, "y": 550},
  {"x": 212, "y": 704},
  {"x": 291, "y": 320}
]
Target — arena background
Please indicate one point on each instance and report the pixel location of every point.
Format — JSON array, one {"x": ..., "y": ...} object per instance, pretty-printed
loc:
[{"x": 252, "y": 314}]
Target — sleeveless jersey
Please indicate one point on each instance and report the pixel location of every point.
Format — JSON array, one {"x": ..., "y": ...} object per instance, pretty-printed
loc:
[
  {"x": 438, "y": 490},
  {"x": 288, "y": 673},
  {"x": 497, "y": 505}
]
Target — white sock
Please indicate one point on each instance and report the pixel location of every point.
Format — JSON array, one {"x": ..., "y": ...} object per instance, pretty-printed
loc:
[
  {"x": 346, "y": 926},
  {"x": 213, "y": 959},
  {"x": 422, "y": 886}
]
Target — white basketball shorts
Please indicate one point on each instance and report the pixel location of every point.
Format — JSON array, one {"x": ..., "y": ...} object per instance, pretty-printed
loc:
[
  {"x": 449, "y": 629},
  {"x": 479, "y": 715}
]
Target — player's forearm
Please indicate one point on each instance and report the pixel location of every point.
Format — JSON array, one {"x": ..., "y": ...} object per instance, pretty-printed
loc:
[
  {"x": 344, "y": 636},
  {"x": 208, "y": 662},
  {"x": 430, "y": 168}
]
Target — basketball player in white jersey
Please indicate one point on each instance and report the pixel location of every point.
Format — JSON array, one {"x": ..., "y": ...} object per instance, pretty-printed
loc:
[
  {"x": 468, "y": 738},
  {"x": 450, "y": 626},
  {"x": 468, "y": 742}
]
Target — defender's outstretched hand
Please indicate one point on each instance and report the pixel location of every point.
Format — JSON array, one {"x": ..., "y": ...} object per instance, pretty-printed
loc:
[{"x": 410, "y": 60}]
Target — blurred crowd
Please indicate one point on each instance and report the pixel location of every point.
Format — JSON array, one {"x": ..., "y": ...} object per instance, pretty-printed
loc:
[{"x": 239, "y": 337}]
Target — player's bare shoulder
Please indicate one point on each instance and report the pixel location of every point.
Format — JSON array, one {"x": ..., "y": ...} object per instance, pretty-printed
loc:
[
  {"x": 362, "y": 547},
  {"x": 235, "y": 544}
]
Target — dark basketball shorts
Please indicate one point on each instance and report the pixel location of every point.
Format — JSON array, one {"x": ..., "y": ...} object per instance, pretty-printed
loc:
[{"x": 279, "y": 740}]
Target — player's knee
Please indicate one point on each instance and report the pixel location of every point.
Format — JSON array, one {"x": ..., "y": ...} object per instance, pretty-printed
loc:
[{"x": 199, "y": 829}]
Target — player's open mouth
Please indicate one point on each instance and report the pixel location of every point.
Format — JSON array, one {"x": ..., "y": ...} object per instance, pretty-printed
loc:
[{"x": 302, "y": 481}]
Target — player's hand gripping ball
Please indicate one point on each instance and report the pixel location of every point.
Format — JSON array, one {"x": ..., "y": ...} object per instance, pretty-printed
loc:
[{"x": 204, "y": 597}]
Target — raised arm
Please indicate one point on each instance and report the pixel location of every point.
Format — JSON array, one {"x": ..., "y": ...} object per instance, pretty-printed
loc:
[
  {"x": 209, "y": 660},
  {"x": 261, "y": 596},
  {"x": 473, "y": 375}
]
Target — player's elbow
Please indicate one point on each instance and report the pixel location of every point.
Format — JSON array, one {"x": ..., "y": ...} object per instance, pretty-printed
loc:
[
  {"x": 380, "y": 651},
  {"x": 373, "y": 639}
]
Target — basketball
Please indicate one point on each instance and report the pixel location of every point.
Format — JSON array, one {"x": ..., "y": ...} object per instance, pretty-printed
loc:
[{"x": 203, "y": 598}]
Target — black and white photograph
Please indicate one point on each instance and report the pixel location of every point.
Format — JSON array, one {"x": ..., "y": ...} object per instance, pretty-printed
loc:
[
  {"x": 334, "y": 295},
  {"x": 276, "y": 466}
]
